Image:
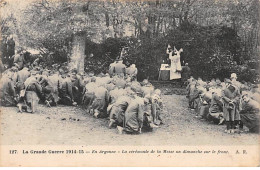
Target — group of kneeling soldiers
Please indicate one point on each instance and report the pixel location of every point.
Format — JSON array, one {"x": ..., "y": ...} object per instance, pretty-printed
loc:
[
  {"x": 131, "y": 106},
  {"x": 230, "y": 102}
]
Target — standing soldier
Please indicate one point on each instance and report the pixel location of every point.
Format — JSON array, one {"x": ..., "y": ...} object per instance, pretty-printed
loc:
[
  {"x": 231, "y": 98},
  {"x": 2, "y": 68},
  {"x": 185, "y": 74},
  {"x": 10, "y": 48},
  {"x": 120, "y": 69},
  {"x": 234, "y": 81}
]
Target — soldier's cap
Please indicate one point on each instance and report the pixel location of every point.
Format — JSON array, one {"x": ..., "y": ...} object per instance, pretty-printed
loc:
[{"x": 233, "y": 75}]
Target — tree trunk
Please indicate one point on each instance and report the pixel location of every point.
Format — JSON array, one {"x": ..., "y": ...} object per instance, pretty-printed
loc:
[{"x": 78, "y": 53}]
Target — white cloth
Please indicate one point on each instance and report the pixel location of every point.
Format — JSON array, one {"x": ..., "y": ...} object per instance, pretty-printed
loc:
[{"x": 175, "y": 71}]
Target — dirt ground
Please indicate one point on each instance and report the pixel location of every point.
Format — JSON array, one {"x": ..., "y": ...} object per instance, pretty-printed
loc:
[{"x": 66, "y": 125}]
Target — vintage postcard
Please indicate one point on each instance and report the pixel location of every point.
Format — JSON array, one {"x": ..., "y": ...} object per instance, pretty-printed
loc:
[{"x": 129, "y": 83}]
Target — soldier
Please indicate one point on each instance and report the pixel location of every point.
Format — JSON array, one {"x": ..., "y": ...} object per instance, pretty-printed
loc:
[
  {"x": 216, "y": 107},
  {"x": 205, "y": 97},
  {"x": 250, "y": 113},
  {"x": 120, "y": 69},
  {"x": 2, "y": 68},
  {"x": 157, "y": 107},
  {"x": 65, "y": 90},
  {"x": 231, "y": 98},
  {"x": 136, "y": 117},
  {"x": 89, "y": 95},
  {"x": 100, "y": 102},
  {"x": 119, "y": 82},
  {"x": 236, "y": 83},
  {"x": 147, "y": 88},
  {"x": 32, "y": 92},
  {"x": 22, "y": 75},
  {"x": 116, "y": 93},
  {"x": 10, "y": 47},
  {"x": 77, "y": 86},
  {"x": 54, "y": 81},
  {"x": 112, "y": 68},
  {"x": 48, "y": 89},
  {"x": 185, "y": 74},
  {"x": 8, "y": 94},
  {"x": 132, "y": 72},
  {"x": 19, "y": 60},
  {"x": 117, "y": 111}
]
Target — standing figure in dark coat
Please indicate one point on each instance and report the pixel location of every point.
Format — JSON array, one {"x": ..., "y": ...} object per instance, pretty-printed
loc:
[
  {"x": 185, "y": 74},
  {"x": 10, "y": 48}
]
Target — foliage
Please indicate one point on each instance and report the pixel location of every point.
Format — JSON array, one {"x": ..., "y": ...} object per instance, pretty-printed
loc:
[{"x": 218, "y": 37}]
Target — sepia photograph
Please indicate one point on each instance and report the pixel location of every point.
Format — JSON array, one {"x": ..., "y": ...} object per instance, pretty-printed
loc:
[{"x": 129, "y": 83}]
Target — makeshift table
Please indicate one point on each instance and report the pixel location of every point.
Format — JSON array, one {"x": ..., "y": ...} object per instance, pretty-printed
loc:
[{"x": 164, "y": 73}]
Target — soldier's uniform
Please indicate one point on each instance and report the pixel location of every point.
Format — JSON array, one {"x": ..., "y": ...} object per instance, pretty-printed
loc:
[
  {"x": 19, "y": 60},
  {"x": 135, "y": 117},
  {"x": 111, "y": 69},
  {"x": 132, "y": 72},
  {"x": 157, "y": 107},
  {"x": 7, "y": 93},
  {"x": 54, "y": 81},
  {"x": 22, "y": 75},
  {"x": 117, "y": 111},
  {"x": 120, "y": 69},
  {"x": 32, "y": 92},
  {"x": 89, "y": 95},
  {"x": 231, "y": 99},
  {"x": 100, "y": 102},
  {"x": 216, "y": 108},
  {"x": 250, "y": 115},
  {"x": 65, "y": 92}
]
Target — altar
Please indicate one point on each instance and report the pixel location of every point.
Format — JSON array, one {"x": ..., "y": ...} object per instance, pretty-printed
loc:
[{"x": 164, "y": 73}]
